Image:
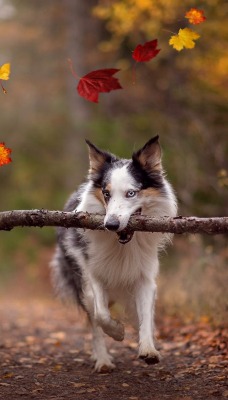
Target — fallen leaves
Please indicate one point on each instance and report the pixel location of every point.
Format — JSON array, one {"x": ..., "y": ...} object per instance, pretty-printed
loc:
[
  {"x": 184, "y": 39},
  {"x": 4, "y": 154},
  {"x": 193, "y": 364}
]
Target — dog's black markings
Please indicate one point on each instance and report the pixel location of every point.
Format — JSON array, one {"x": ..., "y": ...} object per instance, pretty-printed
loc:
[
  {"x": 145, "y": 179},
  {"x": 74, "y": 238}
]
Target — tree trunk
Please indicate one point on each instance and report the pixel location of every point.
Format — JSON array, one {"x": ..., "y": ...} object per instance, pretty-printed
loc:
[{"x": 82, "y": 36}]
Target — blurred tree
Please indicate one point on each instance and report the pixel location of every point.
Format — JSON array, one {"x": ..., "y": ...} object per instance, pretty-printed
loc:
[
  {"x": 43, "y": 119},
  {"x": 181, "y": 95}
]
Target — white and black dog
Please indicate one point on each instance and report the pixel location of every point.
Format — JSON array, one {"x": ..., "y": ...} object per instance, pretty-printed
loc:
[{"x": 102, "y": 268}]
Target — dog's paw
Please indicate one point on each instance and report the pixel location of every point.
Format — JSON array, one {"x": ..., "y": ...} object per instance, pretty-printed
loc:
[
  {"x": 106, "y": 356},
  {"x": 150, "y": 358},
  {"x": 115, "y": 329},
  {"x": 104, "y": 365}
]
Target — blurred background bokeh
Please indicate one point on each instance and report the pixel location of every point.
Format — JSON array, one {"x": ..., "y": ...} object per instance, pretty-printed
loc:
[{"x": 182, "y": 96}]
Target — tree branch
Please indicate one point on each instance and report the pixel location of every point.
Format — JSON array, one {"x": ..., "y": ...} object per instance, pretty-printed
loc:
[{"x": 40, "y": 218}]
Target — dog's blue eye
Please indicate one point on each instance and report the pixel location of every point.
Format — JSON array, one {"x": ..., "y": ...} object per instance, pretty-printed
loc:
[{"x": 131, "y": 193}]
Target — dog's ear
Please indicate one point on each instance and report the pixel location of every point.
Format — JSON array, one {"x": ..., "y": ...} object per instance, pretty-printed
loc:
[
  {"x": 149, "y": 156},
  {"x": 98, "y": 158}
]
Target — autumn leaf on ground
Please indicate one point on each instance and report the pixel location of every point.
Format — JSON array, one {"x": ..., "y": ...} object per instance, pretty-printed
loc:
[
  {"x": 184, "y": 39},
  {"x": 4, "y": 74},
  {"x": 146, "y": 52},
  {"x": 4, "y": 154},
  {"x": 96, "y": 82},
  {"x": 195, "y": 16}
]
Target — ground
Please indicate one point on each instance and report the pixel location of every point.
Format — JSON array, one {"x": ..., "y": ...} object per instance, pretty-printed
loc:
[{"x": 45, "y": 354}]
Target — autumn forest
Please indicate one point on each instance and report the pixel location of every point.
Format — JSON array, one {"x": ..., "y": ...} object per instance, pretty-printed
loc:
[{"x": 116, "y": 72}]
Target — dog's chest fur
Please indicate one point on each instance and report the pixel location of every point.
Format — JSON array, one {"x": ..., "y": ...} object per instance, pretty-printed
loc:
[{"x": 118, "y": 265}]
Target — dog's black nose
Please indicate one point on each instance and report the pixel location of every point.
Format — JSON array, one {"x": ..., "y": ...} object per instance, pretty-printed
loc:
[{"x": 112, "y": 224}]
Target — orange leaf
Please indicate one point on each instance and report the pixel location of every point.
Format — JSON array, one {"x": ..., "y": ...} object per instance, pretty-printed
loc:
[
  {"x": 4, "y": 154},
  {"x": 195, "y": 16}
]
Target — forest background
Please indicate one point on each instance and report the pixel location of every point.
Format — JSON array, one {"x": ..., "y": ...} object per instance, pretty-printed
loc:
[{"x": 182, "y": 96}]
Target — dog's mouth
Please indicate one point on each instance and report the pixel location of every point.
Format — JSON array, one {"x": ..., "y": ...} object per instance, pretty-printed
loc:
[{"x": 125, "y": 235}]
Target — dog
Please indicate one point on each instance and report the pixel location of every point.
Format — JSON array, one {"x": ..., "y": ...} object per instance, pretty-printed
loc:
[{"x": 102, "y": 268}]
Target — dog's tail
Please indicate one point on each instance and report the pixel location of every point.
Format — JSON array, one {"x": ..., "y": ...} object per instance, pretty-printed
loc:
[
  {"x": 69, "y": 259},
  {"x": 66, "y": 277}
]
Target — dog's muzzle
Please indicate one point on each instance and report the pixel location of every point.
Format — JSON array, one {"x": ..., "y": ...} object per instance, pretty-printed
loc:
[
  {"x": 125, "y": 235},
  {"x": 112, "y": 223}
]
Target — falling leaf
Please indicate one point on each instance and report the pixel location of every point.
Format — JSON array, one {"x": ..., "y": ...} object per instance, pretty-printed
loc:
[
  {"x": 4, "y": 154},
  {"x": 146, "y": 52},
  {"x": 195, "y": 16},
  {"x": 184, "y": 39},
  {"x": 4, "y": 74},
  {"x": 96, "y": 82},
  {"x": 5, "y": 71}
]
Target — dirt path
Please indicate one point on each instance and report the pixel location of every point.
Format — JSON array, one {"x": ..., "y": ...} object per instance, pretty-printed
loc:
[{"x": 45, "y": 349}]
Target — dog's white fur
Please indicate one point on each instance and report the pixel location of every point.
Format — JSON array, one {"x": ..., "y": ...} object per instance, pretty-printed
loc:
[{"x": 117, "y": 273}]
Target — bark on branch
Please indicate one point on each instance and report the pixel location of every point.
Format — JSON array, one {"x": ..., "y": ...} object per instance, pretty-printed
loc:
[{"x": 40, "y": 218}]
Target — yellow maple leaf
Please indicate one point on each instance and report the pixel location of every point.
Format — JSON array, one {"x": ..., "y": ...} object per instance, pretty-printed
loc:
[
  {"x": 5, "y": 71},
  {"x": 184, "y": 39}
]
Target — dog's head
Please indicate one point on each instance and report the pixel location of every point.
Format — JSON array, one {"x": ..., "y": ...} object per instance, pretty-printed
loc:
[{"x": 126, "y": 187}]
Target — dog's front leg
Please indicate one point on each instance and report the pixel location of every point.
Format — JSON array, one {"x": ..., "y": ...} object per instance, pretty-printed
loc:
[
  {"x": 103, "y": 360},
  {"x": 102, "y": 315},
  {"x": 145, "y": 299}
]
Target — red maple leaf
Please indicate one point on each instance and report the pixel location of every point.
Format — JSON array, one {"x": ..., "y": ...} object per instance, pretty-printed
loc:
[
  {"x": 99, "y": 81},
  {"x": 146, "y": 52}
]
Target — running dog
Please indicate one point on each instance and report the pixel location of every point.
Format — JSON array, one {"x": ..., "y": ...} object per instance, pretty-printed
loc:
[{"x": 102, "y": 268}]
